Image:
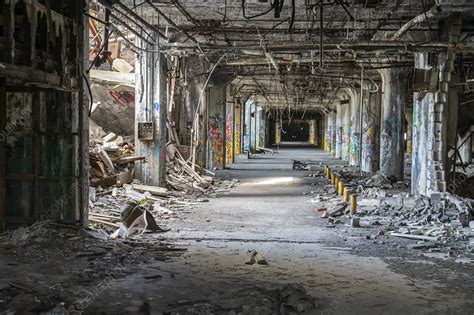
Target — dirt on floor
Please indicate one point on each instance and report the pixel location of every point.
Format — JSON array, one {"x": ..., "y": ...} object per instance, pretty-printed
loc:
[{"x": 207, "y": 262}]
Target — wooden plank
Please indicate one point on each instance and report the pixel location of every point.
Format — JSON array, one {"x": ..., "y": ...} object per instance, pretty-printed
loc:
[
  {"x": 129, "y": 159},
  {"x": 106, "y": 159},
  {"x": 154, "y": 190},
  {"x": 415, "y": 237}
]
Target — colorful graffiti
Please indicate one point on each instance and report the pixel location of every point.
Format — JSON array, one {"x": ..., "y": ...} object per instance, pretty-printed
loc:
[
  {"x": 216, "y": 126},
  {"x": 229, "y": 137},
  {"x": 355, "y": 148},
  {"x": 237, "y": 130},
  {"x": 368, "y": 150}
]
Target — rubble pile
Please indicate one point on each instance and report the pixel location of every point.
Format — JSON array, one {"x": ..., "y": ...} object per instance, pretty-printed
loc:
[
  {"x": 441, "y": 219},
  {"x": 84, "y": 260},
  {"x": 111, "y": 160},
  {"x": 123, "y": 207}
]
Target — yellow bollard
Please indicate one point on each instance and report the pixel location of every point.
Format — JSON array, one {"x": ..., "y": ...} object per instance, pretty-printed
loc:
[
  {"x": 340, "y": 188},
  {"x": 329, "y": 173},
  {"x": 326, "y": 168},
  {"x": 353, "y": 204},
  {"x": 347, "y": 192},
  {"x": 336, "y": 180}
]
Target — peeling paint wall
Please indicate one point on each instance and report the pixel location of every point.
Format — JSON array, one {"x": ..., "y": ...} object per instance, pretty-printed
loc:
[
  {"x": 150, "y": 107},
  {"x": 44, "y": 127}
]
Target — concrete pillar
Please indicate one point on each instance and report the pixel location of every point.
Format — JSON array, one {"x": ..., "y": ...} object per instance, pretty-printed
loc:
[
  {"x": 261, "y": 127},
  {"x": 422, "y": 102},
  {"x": 216, "y": 129},
  {"x": 229, "y": 129},
  {"x": 409, "y": 134},
  {"x": 339, "y": 121},
  {"x": 392, "y": 148},
  {"x": 150, "y": 117},
  {"x": 346, "y": 132},
  {"x": 326, "y": 139},
  {"x": 237, "y": 127},
  {"x": 333, "y": 133},
  {"x": 201, "y": 152},
  {"x": 312, "y": 132},
  {"x": 354, "y": 128},
  {"x": 247, "y": 129},
  {"x": 277, "y": 133},
  {"x": 253, "y": 127},
  {"x": 370, "y": 138}
]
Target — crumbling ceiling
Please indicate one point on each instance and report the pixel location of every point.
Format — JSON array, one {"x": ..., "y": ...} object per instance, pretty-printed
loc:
[{"x": 292, "y": 53}]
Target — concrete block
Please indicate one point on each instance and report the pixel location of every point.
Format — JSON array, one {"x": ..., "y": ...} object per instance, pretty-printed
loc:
[
  {"x": 440, "y": 97},
  {"x": 438, "y": 108}
]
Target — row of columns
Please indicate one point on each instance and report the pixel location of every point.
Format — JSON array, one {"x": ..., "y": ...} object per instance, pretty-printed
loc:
[{"x": 428, "y": 137}]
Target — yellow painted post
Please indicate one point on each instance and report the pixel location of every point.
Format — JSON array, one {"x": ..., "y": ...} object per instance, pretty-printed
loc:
[
  {"x": 346, "y": 194},
  {"x": 329, "y": 173},
  {"x": 340, "y": 188},
  {"x": 353, "y": 204}
]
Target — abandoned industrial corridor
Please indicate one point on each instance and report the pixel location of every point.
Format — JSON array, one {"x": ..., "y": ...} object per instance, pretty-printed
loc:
[{"x": 236, "y": 157}]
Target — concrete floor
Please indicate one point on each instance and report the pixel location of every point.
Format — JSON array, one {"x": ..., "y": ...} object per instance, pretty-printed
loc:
[{"x": 267, "y": 212}]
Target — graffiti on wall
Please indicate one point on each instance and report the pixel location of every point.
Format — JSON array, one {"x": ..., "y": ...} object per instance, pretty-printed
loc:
[
  {"x": 368, "y": 150},
  {"x": 216, "y": 126},
  {"x": 229, "y": 138},
  {"x": 354, "y": 151},
  {"x": 237, "y": 130},
  {"x": 346, "y": 140}
]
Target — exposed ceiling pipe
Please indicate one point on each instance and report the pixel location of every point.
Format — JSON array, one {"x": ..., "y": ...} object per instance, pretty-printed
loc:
[
  {"x": 141, "y": 20},
  {"x": 170, "y": 21},
  {"x": 434, "y": 11}
]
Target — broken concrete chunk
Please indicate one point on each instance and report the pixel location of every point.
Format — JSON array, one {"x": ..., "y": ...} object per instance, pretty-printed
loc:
[
  {"x": 336, "y": 211},
  {"x": 255, "y": 257}
]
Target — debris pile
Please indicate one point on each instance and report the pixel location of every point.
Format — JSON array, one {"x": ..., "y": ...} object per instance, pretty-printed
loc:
[
  {"x": 442, "y": 218},
  {"x": 111, "y": 160},
  {"x": 83, "y": 259},
  {"x": 184, "y": 175},
  {"x": 300, "y": 166}
]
